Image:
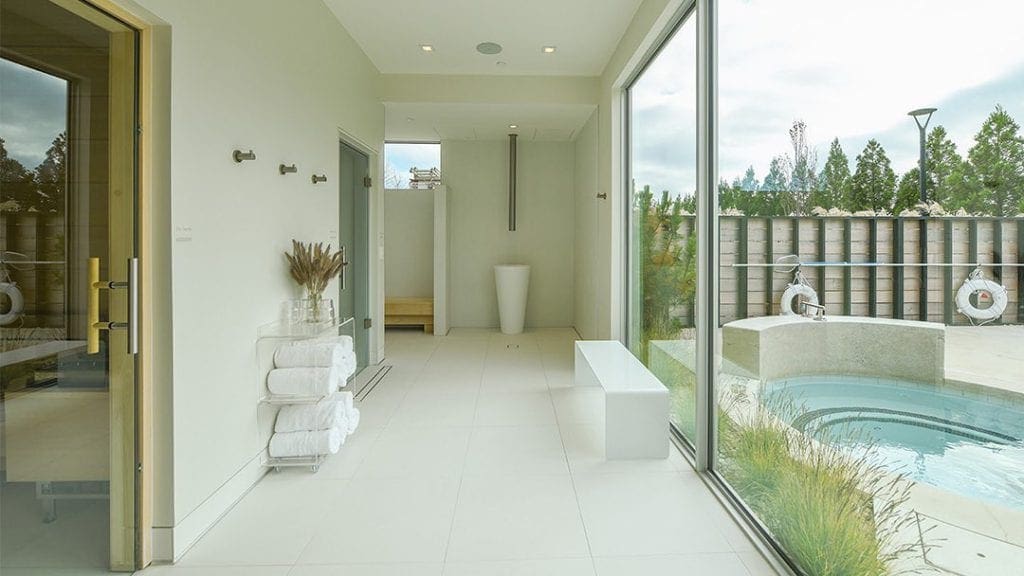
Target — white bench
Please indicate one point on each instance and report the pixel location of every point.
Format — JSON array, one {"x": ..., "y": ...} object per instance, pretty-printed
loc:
[{"x": 636, "y": 402}]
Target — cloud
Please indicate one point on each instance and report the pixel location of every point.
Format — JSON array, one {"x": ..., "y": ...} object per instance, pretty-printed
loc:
[
  {"x": 850, "y": 70},
  {"x": 33, "y": 111},
  {"x": 399, "y": 158}
]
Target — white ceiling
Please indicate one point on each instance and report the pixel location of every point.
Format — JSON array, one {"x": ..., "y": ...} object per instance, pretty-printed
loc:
[
  {"x": 585, "y": 33},
  {"x": 415, "y": 121}
]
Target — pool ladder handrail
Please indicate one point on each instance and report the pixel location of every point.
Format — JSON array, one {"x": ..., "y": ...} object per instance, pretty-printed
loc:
[{"x": 818, "y": 311}]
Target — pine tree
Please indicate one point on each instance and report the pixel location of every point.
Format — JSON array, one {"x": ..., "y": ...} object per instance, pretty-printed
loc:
[
  {"x": 776, "y": 198},
  {"x": 833, "y": 187},
  {"x": 997, "y": 164},
  {"x": 873, "y": 184},
  {"x": 749, "y": 182},
  {"x": 17, "y": 185},
  {"x": 51, "y": 176},
  {"x": 943, "y": 165},
  {"x": 908, "y": 192}
]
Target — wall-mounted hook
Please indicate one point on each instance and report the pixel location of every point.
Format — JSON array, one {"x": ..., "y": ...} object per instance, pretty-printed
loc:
[
  {"x": 239, "y": 156},
  {"x": 287, "y": 169},
  {"x": 603, "y": 196},
  {"x": 318, "y": 178}
]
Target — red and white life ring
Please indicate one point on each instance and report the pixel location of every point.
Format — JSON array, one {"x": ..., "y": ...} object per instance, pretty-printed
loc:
[
  {"x": 792, "y": 292},
  {"x": 976, "y": 284},
  {"x": 10, "y": 289}
]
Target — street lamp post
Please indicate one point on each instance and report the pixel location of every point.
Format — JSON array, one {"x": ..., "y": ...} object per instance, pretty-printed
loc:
[{"x": 925, "y": 113}]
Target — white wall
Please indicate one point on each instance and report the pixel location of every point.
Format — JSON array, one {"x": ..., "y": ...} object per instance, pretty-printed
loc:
[
  {"x": 244, "y": 74},
  {"x": 586, "y": 240},
  {"x": 476, "y": 173},
  {"x": 409, "y": 243}
]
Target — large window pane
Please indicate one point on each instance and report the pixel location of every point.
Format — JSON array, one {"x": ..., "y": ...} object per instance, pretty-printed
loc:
[
  {"x": 662, "y": 233},
  {"x": 884, "y": 431}
]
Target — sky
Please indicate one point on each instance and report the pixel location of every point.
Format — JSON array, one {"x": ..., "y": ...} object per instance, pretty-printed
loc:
[
  {"x": 850, "y": 70},
  {"x": 399, "y": 158},
  {"x": 33, "y": 111}
]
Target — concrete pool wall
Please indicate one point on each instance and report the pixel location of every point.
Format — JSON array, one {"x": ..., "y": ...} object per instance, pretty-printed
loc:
[{"x": 773, "y": 347}]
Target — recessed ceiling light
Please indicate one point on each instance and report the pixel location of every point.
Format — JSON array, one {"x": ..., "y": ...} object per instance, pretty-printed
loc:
[
  {"x": 488, "y": 48},
  {"x": 427, "y": 47},
  {"x": 500, "y": 63},
  {"x": 549, "y": 49},
  {"x": 513, "y": 126}
]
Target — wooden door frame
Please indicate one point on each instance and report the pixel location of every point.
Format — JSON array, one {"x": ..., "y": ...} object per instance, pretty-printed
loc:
[{"x": 154, "y": 481}]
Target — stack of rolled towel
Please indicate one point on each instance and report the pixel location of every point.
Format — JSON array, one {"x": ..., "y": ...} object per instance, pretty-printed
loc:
[
  {"x": 313, "y": 368},
  {"x": 314, "y": 429}
]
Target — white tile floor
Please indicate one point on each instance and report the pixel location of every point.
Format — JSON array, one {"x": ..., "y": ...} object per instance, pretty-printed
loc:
[{"x": 476, "y": 456}]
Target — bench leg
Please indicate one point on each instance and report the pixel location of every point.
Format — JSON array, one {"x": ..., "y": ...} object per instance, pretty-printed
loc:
[{"x": 636, "y": 425}]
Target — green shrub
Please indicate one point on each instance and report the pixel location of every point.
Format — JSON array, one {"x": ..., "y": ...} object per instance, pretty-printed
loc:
[{"x": 835, "y": 514}]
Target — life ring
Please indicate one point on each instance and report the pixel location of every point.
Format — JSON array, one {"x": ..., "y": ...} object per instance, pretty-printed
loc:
[
  {"x": 974, "y": 285},
  {"x": 791, "y": 293},
  {"x": 10, "y": 289}
]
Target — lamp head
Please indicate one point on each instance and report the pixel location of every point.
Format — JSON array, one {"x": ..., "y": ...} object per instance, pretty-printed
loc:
[{"x": 921, "y": 112}]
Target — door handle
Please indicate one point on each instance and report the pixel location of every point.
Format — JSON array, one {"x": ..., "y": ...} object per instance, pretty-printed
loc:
[
  {"x": 93, "y": 316},
  {"x": 344, "y": 267}
]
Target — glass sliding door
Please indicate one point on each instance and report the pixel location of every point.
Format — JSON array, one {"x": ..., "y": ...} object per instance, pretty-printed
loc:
[
  {"x": 870, "y": 400},
  {"x": 662, "y": 234},
  {"x": 67, "y": 227}
]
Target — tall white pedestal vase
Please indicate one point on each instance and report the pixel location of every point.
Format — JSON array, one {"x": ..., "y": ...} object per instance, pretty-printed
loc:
[{"x": 513, "y": 282}]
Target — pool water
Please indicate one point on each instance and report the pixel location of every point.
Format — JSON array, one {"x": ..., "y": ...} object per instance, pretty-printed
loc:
[{"x": 957, "y": 440}]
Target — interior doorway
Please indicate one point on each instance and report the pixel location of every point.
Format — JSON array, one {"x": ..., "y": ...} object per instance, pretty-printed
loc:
[
  {"x": 68, "y": 318},
  {"x": 354, "y": 239}
]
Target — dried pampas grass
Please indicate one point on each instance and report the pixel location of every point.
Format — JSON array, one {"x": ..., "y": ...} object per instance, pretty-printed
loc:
[{"x": 313, "y": 266}]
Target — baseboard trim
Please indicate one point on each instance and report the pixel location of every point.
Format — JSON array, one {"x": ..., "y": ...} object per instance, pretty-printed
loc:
[{"x": 170, "y": 543}]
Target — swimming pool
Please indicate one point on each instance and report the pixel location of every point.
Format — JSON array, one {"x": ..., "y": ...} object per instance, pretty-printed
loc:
[{"x": 957, "y": 440}]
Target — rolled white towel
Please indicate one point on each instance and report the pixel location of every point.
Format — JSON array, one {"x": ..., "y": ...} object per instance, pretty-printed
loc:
[
  {"x": 346, "y": 368},
  {"x": 303, "y": 381},
  {"x": 296, "y": 444},
  {"x": 324, "y": 415},
  {"x": 308, "y": 354},
  {"x": 352, "y": 419},
  {"x": 344, "y": 341}
]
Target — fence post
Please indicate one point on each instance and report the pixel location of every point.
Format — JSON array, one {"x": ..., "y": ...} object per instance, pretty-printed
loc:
[
  {"x": 822, "y": 236},
  {"x": 1019, "y": 222},
  {"x": 997, "y": 255},
  {"x": 922, "y": 249},
  {"x": 873, "y": 271},
  {"x": 847, "y": 271},
  {"x": 769, "y": 273},
  {"x": 947, "y": 280},
  {"x": 741, "y": 273},
  {"x": 897, "y": 272}
]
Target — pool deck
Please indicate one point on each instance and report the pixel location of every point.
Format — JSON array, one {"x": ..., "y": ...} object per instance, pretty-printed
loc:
[{"x": 986, "y": 355}]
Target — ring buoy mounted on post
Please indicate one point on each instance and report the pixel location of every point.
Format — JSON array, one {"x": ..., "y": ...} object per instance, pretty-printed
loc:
[
  {"x": 10, "y": 289},
  {"x": 976, "y": 283},
  {"x": 798, "y": 288}
]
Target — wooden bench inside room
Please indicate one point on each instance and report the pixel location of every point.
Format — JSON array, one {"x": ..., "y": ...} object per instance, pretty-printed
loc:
[{"x": 409, "y": 312}]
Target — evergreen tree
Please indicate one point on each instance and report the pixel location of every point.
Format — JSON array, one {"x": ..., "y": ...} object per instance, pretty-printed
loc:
[
  {"x": 776, "y": 199},
  {"x": 944, "y": 166},
  {"x": 997, "y": 164},
  {"x": 873, "y": 184},
  {"x": 51, "y": 176},
  {"x": 17, "y": 186},
  {"x": 833, "y": 187},
  {"x": 749, "y": 182},
  {"x": 908, "y": 192}
]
